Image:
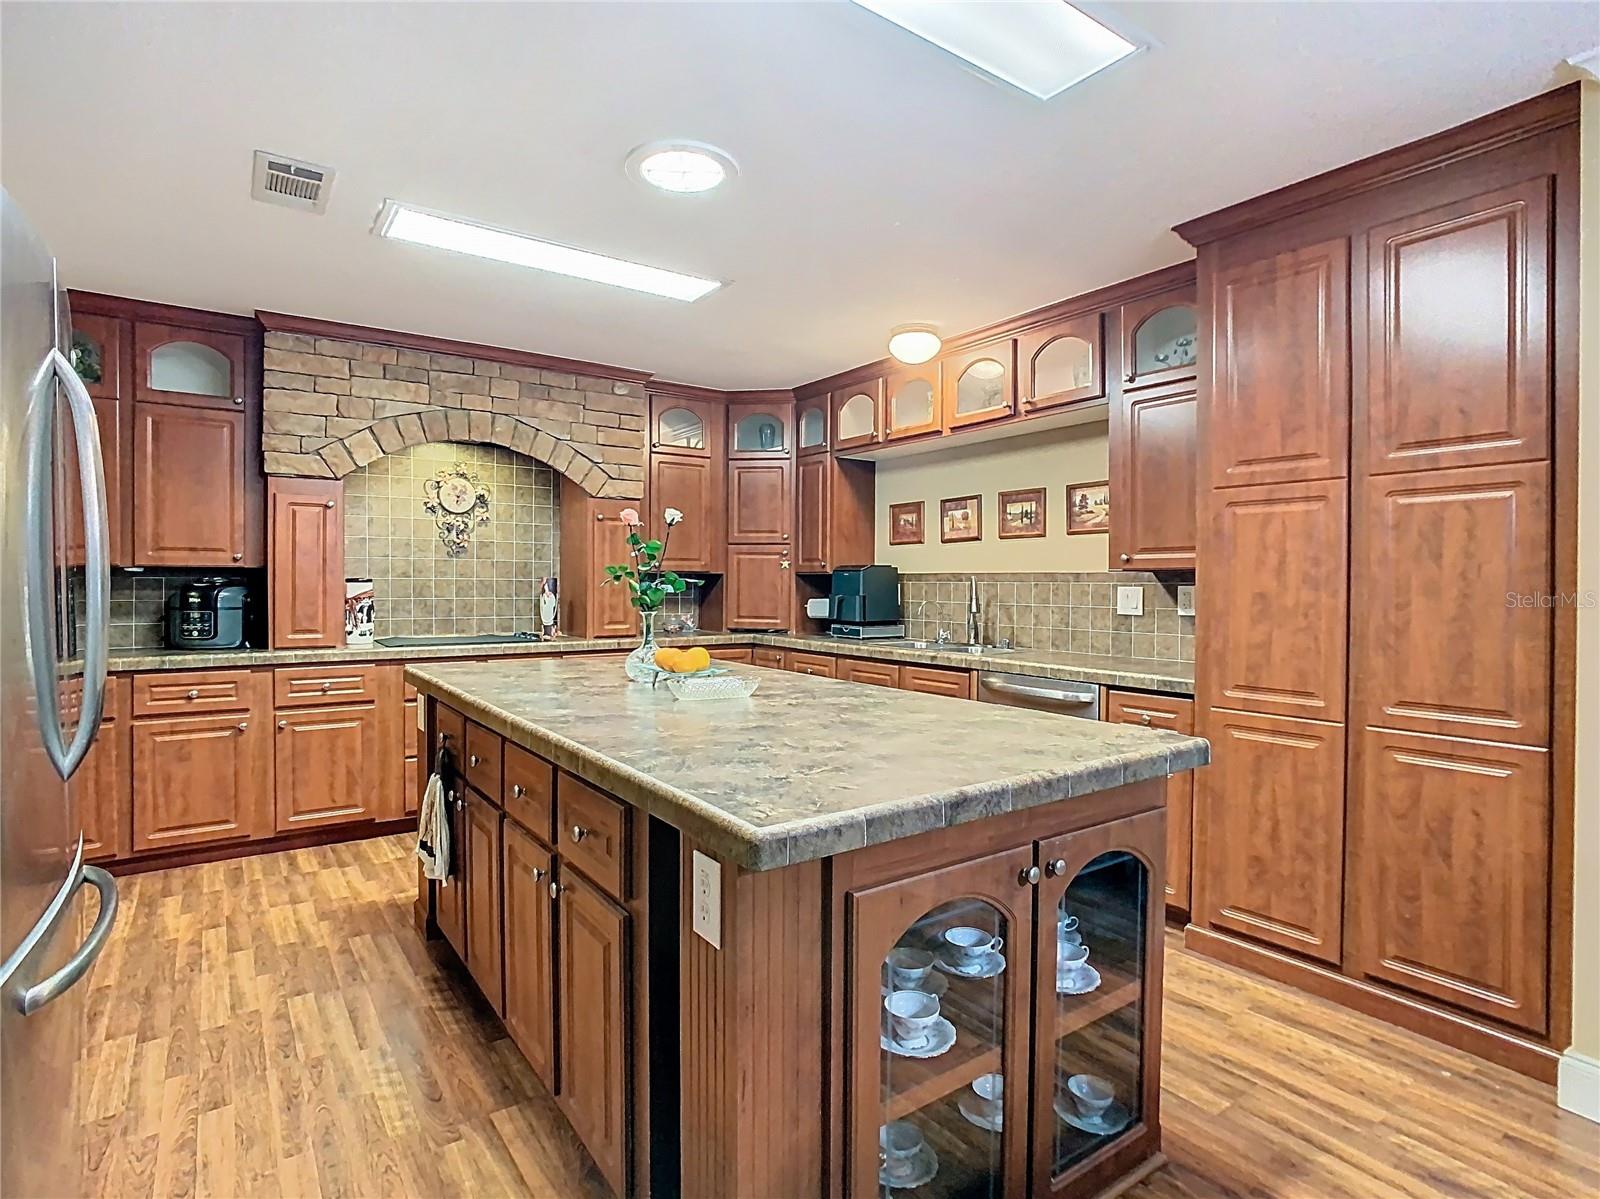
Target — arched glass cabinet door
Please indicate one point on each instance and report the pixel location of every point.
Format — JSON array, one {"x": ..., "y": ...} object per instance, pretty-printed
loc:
[
  {"x": 855, "y": 414},
  {"x": 1160, "y": 341},
  {"x": 196, "y": 367},
  {"x": 1061, "y": 363},
  {"x": 811, "y": 426},
  {"x": 913, "y": 404},
  {"x": 940, "y": 1010},
  {"x": 760, "y": 432},
  {"x": 680, "y": 429}
]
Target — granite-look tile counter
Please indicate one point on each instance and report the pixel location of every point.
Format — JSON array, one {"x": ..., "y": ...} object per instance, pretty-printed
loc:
[{"x": 807, "y": 767}]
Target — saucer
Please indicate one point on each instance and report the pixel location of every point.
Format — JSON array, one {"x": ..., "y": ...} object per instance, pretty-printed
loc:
[
  {"x": 1111, "y": 1121},
  {"x": 940, "y": 1038},
  {"x": 989, "y": 965},
  {"x": 968, "y": 1103},
  {"x": 1077, "y": 982},
  {"x": 935, "y": 984},
  {"x": 924, "y": 1166}
]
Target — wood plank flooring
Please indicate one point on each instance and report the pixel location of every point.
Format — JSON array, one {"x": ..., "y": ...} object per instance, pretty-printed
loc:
[{"x": 274, "y": 1026}]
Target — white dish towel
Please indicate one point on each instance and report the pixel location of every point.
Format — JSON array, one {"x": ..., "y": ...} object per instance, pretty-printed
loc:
[{"x": 433, "y": 832}]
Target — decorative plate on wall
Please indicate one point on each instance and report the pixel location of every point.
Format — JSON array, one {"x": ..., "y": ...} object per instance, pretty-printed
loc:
[{"x": 459, "y": 504}]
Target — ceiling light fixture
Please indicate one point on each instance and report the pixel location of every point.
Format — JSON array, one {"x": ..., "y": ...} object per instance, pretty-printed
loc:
[
  {"x": 404, "y": 223},
  {"x": 1041, "y": 46},
  {"x": 681, "y": 167},
  {"x": 912, "y": 344}
]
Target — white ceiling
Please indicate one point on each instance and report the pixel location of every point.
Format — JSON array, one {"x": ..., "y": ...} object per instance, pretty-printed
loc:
[{"x": 880, "y": 181}]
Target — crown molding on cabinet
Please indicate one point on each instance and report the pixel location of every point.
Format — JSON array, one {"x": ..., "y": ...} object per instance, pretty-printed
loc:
[{"x": 126, "y": 308}]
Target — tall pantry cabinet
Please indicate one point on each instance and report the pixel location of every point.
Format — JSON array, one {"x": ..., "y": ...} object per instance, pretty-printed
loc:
[{"x": 1386, "y": 507}]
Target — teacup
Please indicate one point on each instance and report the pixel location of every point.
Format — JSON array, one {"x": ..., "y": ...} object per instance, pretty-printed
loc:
[
  {"x": 1071, "y": 956},
  {"x": 909, "y": 968},
  {"x": 911, "y": 1017},
  {"x": 1067, "y": 931},
  {"x": 968, "y": 946},
  {"x": 899, "y": 1143},
  {"x": 1091, "y": 1093},
  {"x": 990, "y": 1090}
]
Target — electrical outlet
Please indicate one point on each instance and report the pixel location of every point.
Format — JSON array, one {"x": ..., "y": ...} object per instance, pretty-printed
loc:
[
  {"x": 707, "y": 899},
  {"x": 1186, "y": 599},
  {"x": 1130, "y": 601}
]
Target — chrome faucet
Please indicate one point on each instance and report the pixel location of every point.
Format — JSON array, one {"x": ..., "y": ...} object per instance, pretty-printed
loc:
[{"x": 974, "y": 614}]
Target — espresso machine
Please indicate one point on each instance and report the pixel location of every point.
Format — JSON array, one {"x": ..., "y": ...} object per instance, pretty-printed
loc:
[{"x": 864, "y": 603}]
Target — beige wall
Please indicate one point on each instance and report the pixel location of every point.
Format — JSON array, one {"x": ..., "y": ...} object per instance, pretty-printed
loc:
[{"x": 1051, "y": 460}]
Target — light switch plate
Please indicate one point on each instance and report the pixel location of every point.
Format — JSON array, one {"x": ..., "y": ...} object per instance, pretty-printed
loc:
[
  {"x": 1186, "y": 599},
  {"x": 707, "y": 899},
  {"x": 1130, "y": 601}
]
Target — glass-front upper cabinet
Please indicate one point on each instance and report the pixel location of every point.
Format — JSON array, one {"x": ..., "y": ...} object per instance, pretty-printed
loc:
[
  {"x": 678, "y": 427},
  {"x": 1094, "y": 1076},
  {"x": 760, "y": 430},
  {"x": 196, "y": 367},
  {"x": 856, "y": 414},
  {"x": 1062, "y": 363},
  {"x": 979, "y": 385},
  {"x": 99, "y": 348},
  {"x": 911, "y": 407},
  {"x": 1160, "y": 339},
  {"x": 939, "y": 1024},
  {"x": 811, "y": 425}
]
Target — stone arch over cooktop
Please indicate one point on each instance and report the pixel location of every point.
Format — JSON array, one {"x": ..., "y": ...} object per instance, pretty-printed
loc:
[{"x": 331, "y": 406}]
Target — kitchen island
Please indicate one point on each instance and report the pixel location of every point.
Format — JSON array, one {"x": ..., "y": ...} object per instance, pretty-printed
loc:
[{"x": 689, "y": 916}]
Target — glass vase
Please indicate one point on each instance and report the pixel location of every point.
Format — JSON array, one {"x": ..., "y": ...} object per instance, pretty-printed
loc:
[{"x": 641, "y": 664}]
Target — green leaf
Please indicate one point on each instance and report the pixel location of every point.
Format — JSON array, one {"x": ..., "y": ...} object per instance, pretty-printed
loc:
[
  {"x": 652, "y": 547},
  {"x": 679, "y": 585}
]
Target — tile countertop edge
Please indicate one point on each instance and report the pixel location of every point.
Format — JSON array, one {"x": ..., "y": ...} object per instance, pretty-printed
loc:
[{"x": 750, "y": 848}]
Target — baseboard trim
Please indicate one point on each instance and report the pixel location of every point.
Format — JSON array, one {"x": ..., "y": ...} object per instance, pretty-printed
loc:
[
  {"x": 1578, "y": 1085},
  {"x": 1483, "y": 1040},
  {"x": 218, "y": 851}
]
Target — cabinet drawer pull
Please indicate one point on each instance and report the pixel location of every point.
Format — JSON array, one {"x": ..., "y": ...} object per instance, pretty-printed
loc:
[
  {"x": 1057, "y": 867},
  {"x": 238, "y": 557},
  {"x": 1145, "y": 719},
  {"x": 243, "y": 725},
  {"x": 474, "y": 760},
  {"x": 283, "y": 724},
  {"x": 328, "y": 504},
  {"x": 538, "y": 874},
  {"x": 193, "y": 694},
  {"x": 579, "y": 832},
  {"x": 1126, "y": 557},
  {"x": 1028, "y": 877},
  {"x": 327, "y": 684},
  {"x": 516, "y": 791}
]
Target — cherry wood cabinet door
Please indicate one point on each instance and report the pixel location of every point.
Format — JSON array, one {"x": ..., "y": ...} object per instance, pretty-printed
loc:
[
  {"x": 1154, "y": 478},
  {"x": 103, "y": 349},
  {"x": 1443, "y": 645},
  {"x": 1458, "y": 340},
  {"x": 1269, "y": 832},
  {"x": 978, "y": 385},
  {"x": 685, "y": 428},
  {"x": 936, "y": 680},
  {"x": 189, "y": 481},
  {"x": 1160, "y": 341},
  {"x": 811, "y": 513},
  {"x": 201, "y": 778},
  {"x": 1062, "y": 363},
  {"x": 102, "y": 784},
  {"x": 691, "y": 486},
  {"x": 761, "y": 428},
  {"x": 857, "y": 414},
  {"x": 450, "y": 898},
  {"x": 911, "y": 402},
  {"x": 862, "y": 670},
  {"x": 305, "y": 532},
  {"x": 758, "y": 502},
  {"x": 1279, "y": 406},
  {"x": 485, "y": 959},
  {"x": 1175, "y": 714},
  {"x": 812, "y": 434},
  {"x": 195, "y": 367},
  {"x": 1275, "y": 600},
  {"x": 772, "y": 659},
  {"x": 610, "y": 614},
  {"x": 530, "y": 953},
  {"x": 593, "y": 1044},
  {"x": 329, "y": 765},
  {"x": 821, "y": 665},
  {"x": 758, "y": 583},
  {"x": 1449, "y": 887}
]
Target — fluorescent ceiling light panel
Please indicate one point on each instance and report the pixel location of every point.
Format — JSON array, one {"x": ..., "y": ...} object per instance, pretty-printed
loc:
[
  {"x": 1040, "y": 46},
  {"x": 403, "y": 223}
]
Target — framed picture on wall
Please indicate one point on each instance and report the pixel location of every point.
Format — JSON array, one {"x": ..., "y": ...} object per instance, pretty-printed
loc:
[
  {"x": 1022, "y": 513},
  {"x": 961, "y": 519},
  {"x": 1089, "y": 507},
  {"x": 905, "y": 523}
]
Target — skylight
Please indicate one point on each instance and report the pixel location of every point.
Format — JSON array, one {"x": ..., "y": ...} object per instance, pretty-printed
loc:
[
  {"x": 1042, "y": 47},
  {"x": 403, "y": 223}
]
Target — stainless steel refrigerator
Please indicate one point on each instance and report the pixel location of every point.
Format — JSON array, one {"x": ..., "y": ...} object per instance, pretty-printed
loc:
[{"x": 52, "y": 687}]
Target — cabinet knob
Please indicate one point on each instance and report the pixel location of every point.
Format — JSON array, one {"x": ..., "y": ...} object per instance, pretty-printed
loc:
[
  {"x": 516, "y": 791},
  {"x": 786, "y": 537},
  {"x": 328, "y": 504},
  {"x": 1028, "y": 877},
  {"x": 556, "y": 889},
  {"x": 1145, "y": 719},
  {"x": 238, "y": 557},
  {"x": 243, "y": 725},
  {"x": 599, "y": 516},
  {"x": 474, "y": 760},
  {"x": 283, "y": 724},
  {"x": 238, "y": 401},
  {"x": 538, "y": 874},
  {"x": 1130, "y": 376},
  {"x": 193, "y": 694},
  {"x": 1057, "y": 867},
  {"x": 326, "y": 684},
  {"x": 1126, "y": 557},
  {"x": 579, "y": 832}
]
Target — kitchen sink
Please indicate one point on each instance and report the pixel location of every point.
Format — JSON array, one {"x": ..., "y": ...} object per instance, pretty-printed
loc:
[{"x": 456, "y": 639}]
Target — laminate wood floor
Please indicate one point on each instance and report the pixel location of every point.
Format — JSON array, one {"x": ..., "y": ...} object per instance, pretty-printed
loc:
[{"x": 274, "y": 1026}]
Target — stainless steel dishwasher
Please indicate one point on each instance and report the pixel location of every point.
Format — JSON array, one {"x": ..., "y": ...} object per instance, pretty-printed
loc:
[{"x": 1067, "y": 697}]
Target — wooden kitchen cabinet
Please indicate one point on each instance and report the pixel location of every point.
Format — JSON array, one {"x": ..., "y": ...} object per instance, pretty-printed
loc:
[
  {"x": 101, "y": 786},
  {"x": 1175, "y": 714},
  {"x": 978, "y": 385},
  {"x": 834, "y": 500},
  {"x": 800, "y": 662},
  {"x": 771, "y": 659},
  {"x": 1160, "y": 341},
  {"x": 911, "y": 402},
  {"x": 1062, "y": 363},
  {"x": 758, "y": 502},
  {"x": 204, "y": 778},
  {"x": 936, "y": 680},
  {"x": 191, "y": 470},
  {"x": 811, "y": 425},
  {"x": 1449, "y": 872},
  {"x": 592, "y": 1046},
  {"x": 592, "y": 538},
  {"x": 733, "y": 653},
  {"x": 485, "y": 947},
  {"x": 529, "y": 791},
  {"x": 305, "y": 535},
  {"x": 1154, "y": 479},
  {"x": 864, "y": 670},
  {"x": 1269, "y": 832},
  {"x": 102, "y": 350},
  {"x": 761, "y": 427},
  {"x": 857, "y": 414},
  {"x": 685, "y": 427},
  {"x": 759, "y": 591},
  {"x": 694, "y": 487},
  {"x": 201, "y": 368},
  {"x": 530, "y": 959},
  {"x": 330, "y": 768}
]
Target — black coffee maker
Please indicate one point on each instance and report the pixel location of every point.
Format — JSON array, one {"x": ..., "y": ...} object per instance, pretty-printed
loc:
[
  {"x": 864, "y": 602},
  {"x": 208, "y": 613}
]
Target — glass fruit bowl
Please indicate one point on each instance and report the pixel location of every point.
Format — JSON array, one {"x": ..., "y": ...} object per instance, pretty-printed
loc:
[{"x": 715, "y": 682}]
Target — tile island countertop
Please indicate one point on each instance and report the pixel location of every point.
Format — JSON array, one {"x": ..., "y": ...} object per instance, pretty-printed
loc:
[{"x": 806, "y": 767}]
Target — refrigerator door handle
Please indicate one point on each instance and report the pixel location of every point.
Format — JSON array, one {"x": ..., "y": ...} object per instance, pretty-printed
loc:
[
  {"x": 97, "y": 571},
  {"x": 45, "y": 990}
]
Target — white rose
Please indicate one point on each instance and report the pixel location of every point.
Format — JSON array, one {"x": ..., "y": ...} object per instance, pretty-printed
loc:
[{"x": 672, "y": 516}]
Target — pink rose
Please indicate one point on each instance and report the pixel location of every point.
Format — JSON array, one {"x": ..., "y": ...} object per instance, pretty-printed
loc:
[{"x": 629, "y": 516}]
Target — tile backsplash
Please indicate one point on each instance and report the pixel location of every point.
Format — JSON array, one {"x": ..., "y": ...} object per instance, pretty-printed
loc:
[
  {"x": 419, "y": 588},
  {"x": 1073, "y": 611}
]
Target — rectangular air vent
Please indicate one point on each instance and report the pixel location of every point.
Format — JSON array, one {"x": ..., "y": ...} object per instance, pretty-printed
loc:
[{"x": 290, "y": 182}]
